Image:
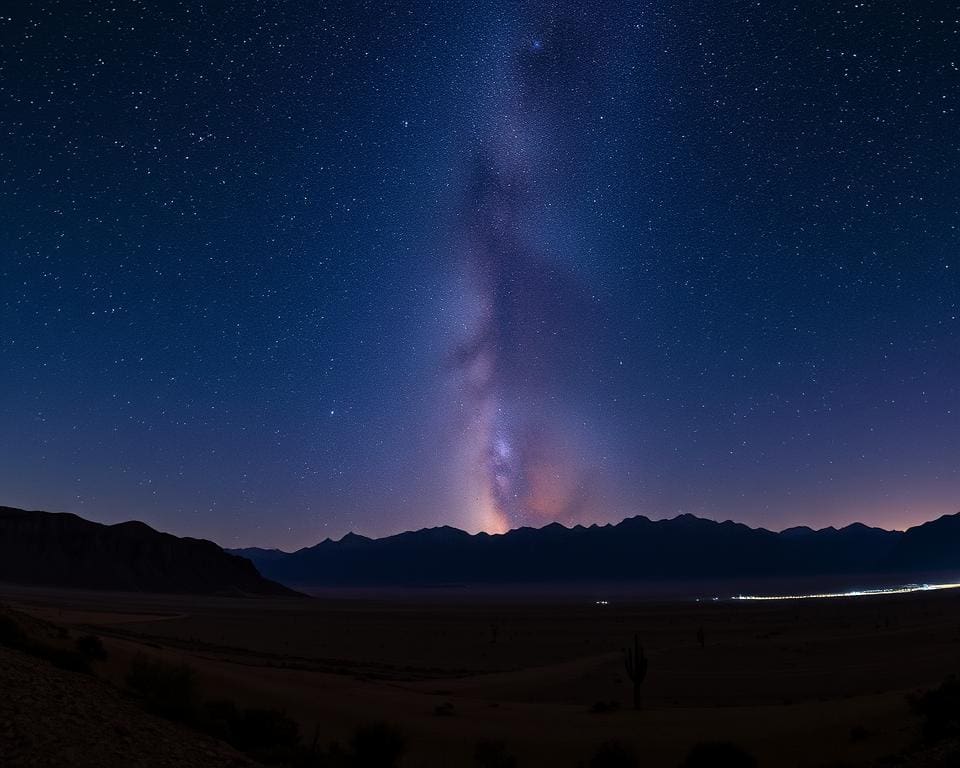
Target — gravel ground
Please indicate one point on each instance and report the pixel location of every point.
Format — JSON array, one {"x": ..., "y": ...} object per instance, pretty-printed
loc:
[{"x": 50, "y": 718}]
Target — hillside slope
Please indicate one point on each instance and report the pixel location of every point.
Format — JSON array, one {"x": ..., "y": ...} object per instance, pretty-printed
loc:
[{"x": 56, "y": 549}]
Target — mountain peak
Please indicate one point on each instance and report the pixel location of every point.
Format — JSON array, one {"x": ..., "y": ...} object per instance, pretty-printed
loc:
[{"x": 636, "y": 549}]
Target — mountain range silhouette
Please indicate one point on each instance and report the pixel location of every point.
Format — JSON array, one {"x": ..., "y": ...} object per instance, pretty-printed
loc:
[{"x": 636, "y": 549}]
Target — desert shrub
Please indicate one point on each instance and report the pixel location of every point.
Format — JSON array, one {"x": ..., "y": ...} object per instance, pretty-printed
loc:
[
  {"x": 859, "y": 733},
  {"x": 164, "y": 688},
  {"x": 270, "y": 735},
  {"x": 718, "y": 754},
  {"x": 13, "y": 636},
  {"x": 494, "y": 754},
  {"x": 613, "y": 754},
  {"x": 91, "y": 648},
  {"x": 219, "y": 717},
  {"x": 62, "y": 658},
  {"x": 940, "y": 710},
  {"x": 377, "y": 746}
]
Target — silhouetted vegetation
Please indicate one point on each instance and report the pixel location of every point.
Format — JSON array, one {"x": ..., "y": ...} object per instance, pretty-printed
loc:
[
  {"x": 859, "y": 733},
  {"x": 91, "y": 648},
  {"x": 494, "y": 754},
  {"x": 635, "y": 662},
  {"x": 940, "y": 710},
  {"x": 268, "y": 735},
  {"x": 604, "y": 707},
  {"x": 718, "y": 754},
  {"x": 165, "y": 689},
  {"x": 613, "y": 754},
  {"x": 11, "y": 633},
  {"x": 13, "y": 636},
  {"x": 377, "y": 746}
]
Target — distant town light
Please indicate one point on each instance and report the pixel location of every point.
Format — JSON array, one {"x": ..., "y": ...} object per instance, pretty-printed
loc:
[{"x": 853, "y": 592}]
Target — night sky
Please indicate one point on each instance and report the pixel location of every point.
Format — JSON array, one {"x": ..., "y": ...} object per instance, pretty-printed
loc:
[{"x": 272, "y": 272}]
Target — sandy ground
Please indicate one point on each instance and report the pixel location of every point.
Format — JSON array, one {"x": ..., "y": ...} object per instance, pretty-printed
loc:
[{"x": 805, "y": 683}]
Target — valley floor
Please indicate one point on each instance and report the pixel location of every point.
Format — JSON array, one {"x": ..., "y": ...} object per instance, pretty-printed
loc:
[{"x": 807, "y": 683}]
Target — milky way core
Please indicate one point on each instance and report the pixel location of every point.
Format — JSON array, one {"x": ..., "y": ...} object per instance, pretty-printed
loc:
[{"x": 521, "y": 456}]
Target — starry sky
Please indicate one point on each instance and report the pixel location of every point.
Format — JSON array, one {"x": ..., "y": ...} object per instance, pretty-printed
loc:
[{"x": 275, "y": 271}]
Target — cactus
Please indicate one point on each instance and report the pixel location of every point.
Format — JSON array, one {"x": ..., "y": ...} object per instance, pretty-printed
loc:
[
  {"x": 701, "y": 637},
  {"x": 635, "y": 662}
]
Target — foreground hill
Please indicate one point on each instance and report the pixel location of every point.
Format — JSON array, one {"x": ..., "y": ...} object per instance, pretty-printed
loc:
[
  {"x": 54, "y": 549},
  {"x": 51, "y": 717},
  {"x": 636, "y": 549}
]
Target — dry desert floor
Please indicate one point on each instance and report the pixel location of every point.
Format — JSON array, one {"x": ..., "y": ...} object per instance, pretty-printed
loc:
[{"x": 797, "y": 683}]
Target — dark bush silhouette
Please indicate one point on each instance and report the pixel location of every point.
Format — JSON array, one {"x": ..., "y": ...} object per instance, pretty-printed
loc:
[
  {"x": 940, "y": 710},
  {"x": 377, "y": 746},
  {"x": 91, "y": 648},
  {"x": 718, "y": 754},
  {"x": 166, "y": 689},
  {"x": 13, "y": 636},
  {"x": 267, "y": 734},
  {"x": 859, "y": 733},
  {"x": 63, "y": 658},
  {"x": 219, "y": 718},
  {"x": 613, "y": 754},
  {"x": 494, "y": 754},
  {"x": 270, "y": 736}
]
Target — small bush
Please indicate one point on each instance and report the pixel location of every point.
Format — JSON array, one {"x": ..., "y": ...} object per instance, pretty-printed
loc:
[
  {"x": 12, "y": 634},
  {"x": 940, "y": 710},
  {"x": 718, "y": 754},
  {"x": 494, "y": 754},
  {"x": 613, "y": 754},
  {"x": 377, "y": 746},
  {"x": 267, "y": 734},
  {"x": 62, "y": 658},
  {"x": 166, "y": 689},
  {"x": 859, "y": 733},
  {"x": 91, "y": 648},
  {"x": 604, "y": 707}
]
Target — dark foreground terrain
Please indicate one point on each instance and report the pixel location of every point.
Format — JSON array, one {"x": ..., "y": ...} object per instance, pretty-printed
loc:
[{"x": 807, "y": 683}]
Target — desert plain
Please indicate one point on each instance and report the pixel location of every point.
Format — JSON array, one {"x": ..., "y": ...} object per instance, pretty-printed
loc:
[{"x": 796, "y": 683}]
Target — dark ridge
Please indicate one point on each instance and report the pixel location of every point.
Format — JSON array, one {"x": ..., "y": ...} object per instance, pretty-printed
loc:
[
  {"x": 63, "y": 550},
  {"x": 636, "y": 549}
]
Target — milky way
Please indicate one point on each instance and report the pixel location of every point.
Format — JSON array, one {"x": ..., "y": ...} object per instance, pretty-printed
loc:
[{"x": 527, "y": 310}]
